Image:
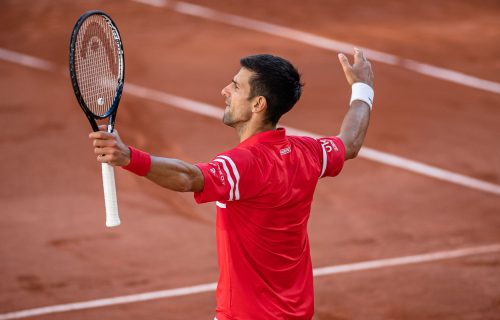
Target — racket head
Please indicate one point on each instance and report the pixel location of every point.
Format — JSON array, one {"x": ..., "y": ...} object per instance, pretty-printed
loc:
[{"x": 97, "y": 66}]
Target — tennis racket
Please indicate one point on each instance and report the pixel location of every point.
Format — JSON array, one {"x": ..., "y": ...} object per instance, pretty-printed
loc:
[{"x": 96, "y": 66}]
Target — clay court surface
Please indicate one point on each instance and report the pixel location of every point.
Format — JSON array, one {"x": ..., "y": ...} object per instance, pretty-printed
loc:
[{"x": 55, "y": 249}]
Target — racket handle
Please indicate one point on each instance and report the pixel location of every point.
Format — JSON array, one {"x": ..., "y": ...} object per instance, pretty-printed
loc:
[{"x": 108, "y": 182}]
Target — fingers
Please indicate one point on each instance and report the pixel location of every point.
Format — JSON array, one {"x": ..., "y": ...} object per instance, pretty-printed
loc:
[
  {"x": 347, "y": 67},
  {"x": 358, "y": 56},
  {"x": 359, "y": 71},
  {"x": 109, "y": 148},
  {"x": 111, "y": 156},
  {"x": 102, "y": 143},
  {"x": 344, "y": 61},
  {"x": 105, "y": 158},
  {"x": 104, "y": 135},
  {"x": 106, "y": 151},
  {"x": 100, "y": 135}
]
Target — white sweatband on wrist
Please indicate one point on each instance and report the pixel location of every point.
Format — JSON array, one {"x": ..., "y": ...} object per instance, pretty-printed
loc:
[{"x": 362, "y": 91}]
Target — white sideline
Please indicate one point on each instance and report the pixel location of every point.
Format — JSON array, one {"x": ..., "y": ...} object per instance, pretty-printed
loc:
[
  {"x": 26, "y": 60},
  {"x": 208, "y": 287},
  {"x": 324, "y": 43},
  {"x": 215, "y": 112}
]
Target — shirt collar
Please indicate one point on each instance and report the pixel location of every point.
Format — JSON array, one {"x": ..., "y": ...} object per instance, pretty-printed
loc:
[{"x": 270, "y": 136}]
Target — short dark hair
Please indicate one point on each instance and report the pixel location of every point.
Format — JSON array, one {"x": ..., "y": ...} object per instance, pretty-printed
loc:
[{"x": 277, "y": 80}]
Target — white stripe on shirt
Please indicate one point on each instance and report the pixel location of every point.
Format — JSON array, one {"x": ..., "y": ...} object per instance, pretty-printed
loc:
[
  {"x": 220, "y": 204},
  {"x": 236, "y": 175},
  {"x": 229, "y": 178},
  {"x": 324, "y": 161}
]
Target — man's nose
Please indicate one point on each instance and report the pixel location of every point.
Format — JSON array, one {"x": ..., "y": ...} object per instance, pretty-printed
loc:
[{"x": 224, "y": 92}]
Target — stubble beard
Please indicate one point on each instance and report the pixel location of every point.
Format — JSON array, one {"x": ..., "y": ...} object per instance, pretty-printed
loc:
[{"x": 227, "y": 119}]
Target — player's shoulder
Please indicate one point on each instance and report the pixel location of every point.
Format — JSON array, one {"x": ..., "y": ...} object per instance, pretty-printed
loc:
[
  {"x": 239, "y": 157},
  {"x": 316, "y": 141},
  {"x": 304, "y": 142},
  {"x": 318, "y": 145},
  {"x": 239, "y": 153},
  {"x": 302, "y": 139}
]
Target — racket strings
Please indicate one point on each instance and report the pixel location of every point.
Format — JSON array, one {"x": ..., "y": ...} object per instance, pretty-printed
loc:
[{"x": 97, "y": 65}]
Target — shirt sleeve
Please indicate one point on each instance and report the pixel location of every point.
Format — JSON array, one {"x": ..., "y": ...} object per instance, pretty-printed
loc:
[
  {"x": 222, "y": 178},
  {"x": 333, "y": 156}
]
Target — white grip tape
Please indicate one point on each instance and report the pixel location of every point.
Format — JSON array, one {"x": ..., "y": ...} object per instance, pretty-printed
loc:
[
  {"x": 362, "y": 91},
  {"x": 108, "y": 182}
]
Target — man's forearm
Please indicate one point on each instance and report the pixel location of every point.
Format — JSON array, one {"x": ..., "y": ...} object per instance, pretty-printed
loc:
[
  {"x": 360, "y": 76},
  {"x": 175, "y": 175},
  {"x": 354, "y": 128},
  {"x": 172, "y": 174}
]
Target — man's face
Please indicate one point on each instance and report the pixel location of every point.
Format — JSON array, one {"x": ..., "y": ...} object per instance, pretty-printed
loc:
[{"x": 238, "y": 106}]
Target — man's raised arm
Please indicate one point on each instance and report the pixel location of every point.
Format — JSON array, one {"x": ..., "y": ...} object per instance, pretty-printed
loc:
[{"x": 355, "y": 124}]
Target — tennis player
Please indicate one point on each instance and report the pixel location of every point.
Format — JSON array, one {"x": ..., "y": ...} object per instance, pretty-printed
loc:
[{"x": 262, "y": 188}]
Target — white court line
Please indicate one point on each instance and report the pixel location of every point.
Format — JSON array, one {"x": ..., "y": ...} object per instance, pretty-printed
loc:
[
  {"x": 324, "y": 43},
  {"x": 26, "y": 60},
  {"x": 154, "y": 3},
  {"x": 147, "y": 296},
  {"x": 209, "y": 287},
  {"x": 216, "y": 113},
  {"x": 400, "y": 261}
]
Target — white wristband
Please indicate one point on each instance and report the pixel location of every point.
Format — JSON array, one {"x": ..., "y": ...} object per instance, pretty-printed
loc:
[{"x": 362, "y": 91}]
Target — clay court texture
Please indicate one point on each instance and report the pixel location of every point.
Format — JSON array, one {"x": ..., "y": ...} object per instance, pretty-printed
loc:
[{"x": 409, "y": 230}]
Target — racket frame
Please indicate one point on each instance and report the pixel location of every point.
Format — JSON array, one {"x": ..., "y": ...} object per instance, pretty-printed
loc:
[{"x": 111, "y": 113}]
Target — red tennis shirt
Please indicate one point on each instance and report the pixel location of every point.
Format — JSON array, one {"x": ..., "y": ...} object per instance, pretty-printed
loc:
[{"x": 263, "y": 190}]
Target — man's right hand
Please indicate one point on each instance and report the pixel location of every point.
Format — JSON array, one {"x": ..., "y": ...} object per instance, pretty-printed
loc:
[
  {"x": 109, "y": 148},
  {"x": 360, "y": 71}
]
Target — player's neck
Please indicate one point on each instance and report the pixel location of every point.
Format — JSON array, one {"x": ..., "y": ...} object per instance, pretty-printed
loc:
[{"x": 252, "y": 128}]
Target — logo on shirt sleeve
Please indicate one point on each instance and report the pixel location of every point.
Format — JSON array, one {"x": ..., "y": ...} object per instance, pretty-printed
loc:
[
  {"x": 232, "y": 175},
  {"x": 216, "y": 171},
  {"x": 328, "y": 145}
]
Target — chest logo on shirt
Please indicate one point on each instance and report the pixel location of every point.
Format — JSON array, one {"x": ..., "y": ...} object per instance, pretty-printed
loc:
[
  {"x": 329, "y": 145},
  {"x": 286, "y": 150}
]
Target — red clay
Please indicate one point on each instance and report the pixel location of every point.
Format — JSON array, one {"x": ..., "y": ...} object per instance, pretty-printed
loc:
[{"x": 54, "y": 247}]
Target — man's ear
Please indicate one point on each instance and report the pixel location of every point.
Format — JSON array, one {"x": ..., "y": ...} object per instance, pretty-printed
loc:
[{"x": 259, "y": 104}]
